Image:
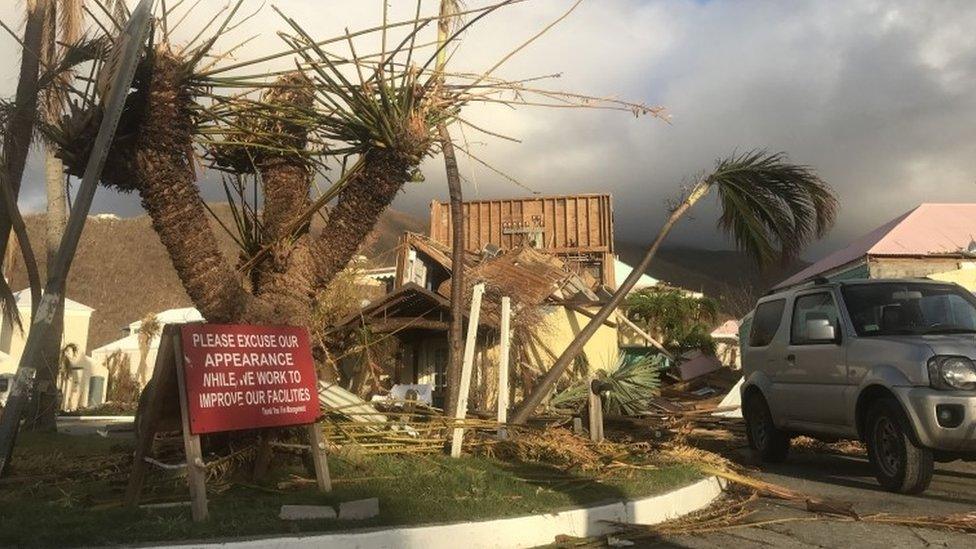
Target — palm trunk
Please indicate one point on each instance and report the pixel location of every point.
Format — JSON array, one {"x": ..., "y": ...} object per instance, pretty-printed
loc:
[
  {"x": 20, "y": 127},
  {"x": 44, "y": 414},
  {"x": 16, "y": 146},
  {"x": 285, "y": 279},
  {"x": 167, "y": 186},
  {"x": 575, "y": 347},
  {"x": 362, "y": 201},
  {"x": 455, "y": 335}
]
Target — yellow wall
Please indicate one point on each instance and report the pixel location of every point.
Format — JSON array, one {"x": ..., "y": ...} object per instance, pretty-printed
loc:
[
  {"x": 964, "y": 276},
  {"x": 12, "y": 340},
  {"x": 559, "y": 327}
]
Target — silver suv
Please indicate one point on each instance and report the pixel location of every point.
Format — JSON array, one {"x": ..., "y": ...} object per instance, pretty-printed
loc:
[{"x": 889, "y": 362}]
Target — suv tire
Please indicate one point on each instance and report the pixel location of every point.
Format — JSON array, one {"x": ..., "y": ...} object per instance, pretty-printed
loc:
[
  {"x": 899, "y": 465},
  {"x": 769, "y": 442}
]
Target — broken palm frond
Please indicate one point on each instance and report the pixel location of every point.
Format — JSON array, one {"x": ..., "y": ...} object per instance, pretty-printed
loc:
[
  {"x": 406, "y": 435},
  {"x": 734, "y": 512},
  {"x": 220, "y": 469},
  {"x": 553, "y": 446},
  {"x": 629, "y": 387},
  {"x": 842, "y": 447}
]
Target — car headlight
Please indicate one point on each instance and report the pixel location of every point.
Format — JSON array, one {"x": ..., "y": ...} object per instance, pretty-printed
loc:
[{"x": 952, "y": 372}]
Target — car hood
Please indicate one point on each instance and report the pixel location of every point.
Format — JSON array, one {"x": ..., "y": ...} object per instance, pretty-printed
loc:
[{"x": 941, "y": 344}]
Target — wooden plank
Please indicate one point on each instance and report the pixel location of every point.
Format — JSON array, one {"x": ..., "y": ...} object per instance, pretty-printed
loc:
[
  {"x": 593, "y": 222},
  {"x": 320, "y": 458},
  {"x": 162, "y": 385},
  {"x": 196, "y": 469},
  {"x": 647, "y": 337},
  {"x": 596, "y": 414},
  {"x": 504, "y": 353},
  {"x": 435, "y": 215},
  {"x": 469, "y": 346}
]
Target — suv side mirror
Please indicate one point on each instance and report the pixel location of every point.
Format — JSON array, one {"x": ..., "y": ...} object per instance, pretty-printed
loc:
[{"x": 820, "y": 329}]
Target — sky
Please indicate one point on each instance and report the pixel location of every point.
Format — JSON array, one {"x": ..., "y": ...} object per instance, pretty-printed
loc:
[{"x": 878, "y": 97}]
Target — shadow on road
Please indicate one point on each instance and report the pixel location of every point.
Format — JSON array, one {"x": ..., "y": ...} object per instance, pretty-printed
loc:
[{"x": 949, "y": 485}]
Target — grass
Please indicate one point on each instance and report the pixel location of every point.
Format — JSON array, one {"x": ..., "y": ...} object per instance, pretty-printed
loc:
[{"x": 80, "y": 508}]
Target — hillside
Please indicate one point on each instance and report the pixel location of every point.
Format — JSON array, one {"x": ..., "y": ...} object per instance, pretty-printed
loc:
[
  {"x": 729, "y": 275},
  {"x": 123, "y": 271}
]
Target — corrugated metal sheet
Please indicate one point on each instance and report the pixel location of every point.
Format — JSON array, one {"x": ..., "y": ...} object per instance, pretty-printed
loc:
[{"x": 928, "y": 230}]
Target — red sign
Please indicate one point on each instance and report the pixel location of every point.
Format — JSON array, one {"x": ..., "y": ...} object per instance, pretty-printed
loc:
[{"x": 245, "y": 377}]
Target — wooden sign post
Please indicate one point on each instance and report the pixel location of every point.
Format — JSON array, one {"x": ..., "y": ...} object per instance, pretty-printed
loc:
[
  {"x": 596, "y": 409},
  {"x": 504, "y": 354},
  {"x": 227, "y": 378},
  {"x": 466, "y": 366}
]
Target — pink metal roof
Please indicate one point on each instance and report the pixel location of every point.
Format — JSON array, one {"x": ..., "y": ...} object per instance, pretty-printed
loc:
[{"x": 929, "y": 229}]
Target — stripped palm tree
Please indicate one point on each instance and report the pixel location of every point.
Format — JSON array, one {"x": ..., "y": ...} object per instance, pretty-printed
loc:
[
  {"x": 455, "y": 334},
  {"x": 375, "y": 115},
  {"x": 18, "y": 133},
  {"x": 770, "y": 207},
  {"x": 62, "y": 25}
]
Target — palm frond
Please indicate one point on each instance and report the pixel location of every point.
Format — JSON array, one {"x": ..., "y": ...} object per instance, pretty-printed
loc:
[
  {"x": 770, "y": 207},
  {"x": 631, "y": 385},
  {"x": 8, "y": 305}
]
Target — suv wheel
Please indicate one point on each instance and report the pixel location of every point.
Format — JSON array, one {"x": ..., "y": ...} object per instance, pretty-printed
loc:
[
  {"x": 899, "y": 465},
  {"x": 769, "y": 442}
]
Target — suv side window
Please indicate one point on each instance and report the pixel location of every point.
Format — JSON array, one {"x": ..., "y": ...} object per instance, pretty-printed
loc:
[
  {"x": 812, "y": 307},
  {"x": 765, "y": 322}
]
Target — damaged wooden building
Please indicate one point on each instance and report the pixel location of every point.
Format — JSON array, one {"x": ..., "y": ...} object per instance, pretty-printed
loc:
[{"x": 553, "y": 256}]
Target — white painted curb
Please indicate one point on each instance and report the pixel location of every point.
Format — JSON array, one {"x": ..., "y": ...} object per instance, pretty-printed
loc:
[{"x": 526, "y": 531}]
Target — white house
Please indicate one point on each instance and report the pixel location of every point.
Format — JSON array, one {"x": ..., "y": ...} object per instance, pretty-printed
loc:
[
  {"x": 726, "y": 339},
  {"x": 129, "y": 345},
  {"x": 622, "y": 270}
]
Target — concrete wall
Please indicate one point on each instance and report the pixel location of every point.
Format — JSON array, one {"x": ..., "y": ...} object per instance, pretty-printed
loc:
[
  {"x": 77, "y": 387},
  {"x": 913, "y": 267}
]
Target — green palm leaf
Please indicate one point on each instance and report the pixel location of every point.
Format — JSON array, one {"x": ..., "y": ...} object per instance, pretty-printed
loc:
[{"x": 770, "y": 207}]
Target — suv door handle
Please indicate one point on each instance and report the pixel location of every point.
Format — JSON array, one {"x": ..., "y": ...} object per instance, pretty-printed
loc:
[{"x": 791, "y": 358}]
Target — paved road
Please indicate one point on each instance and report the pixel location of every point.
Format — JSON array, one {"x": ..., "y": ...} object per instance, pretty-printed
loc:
[
  {"x": 846, "y": 478},
  {"x": 90, "y": 425}
]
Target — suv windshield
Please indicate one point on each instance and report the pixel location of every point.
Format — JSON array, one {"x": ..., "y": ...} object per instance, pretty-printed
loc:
[{"x": 901, "y": 308}]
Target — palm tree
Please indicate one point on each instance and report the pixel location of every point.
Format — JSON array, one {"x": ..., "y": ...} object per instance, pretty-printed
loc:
[
  {"x": 17, "y": 136},
  {"x": 149, "y": 328},
  {"x": 671, "y": 315},
  {"x": 770, "y": 207},
  {"x": 62, "y": 25},
  {"x": 455, "y": 335}
]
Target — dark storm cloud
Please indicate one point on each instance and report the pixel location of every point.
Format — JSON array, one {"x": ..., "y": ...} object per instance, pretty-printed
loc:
[{"x": 879, "y": 97}]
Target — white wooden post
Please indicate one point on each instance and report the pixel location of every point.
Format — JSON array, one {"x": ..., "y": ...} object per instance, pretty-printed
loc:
[
  {"x": 469, "y": 345},
  {"x": 504, "y": 352},
  {"x": 596, "y": 413}
]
